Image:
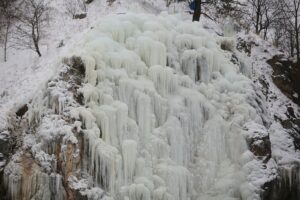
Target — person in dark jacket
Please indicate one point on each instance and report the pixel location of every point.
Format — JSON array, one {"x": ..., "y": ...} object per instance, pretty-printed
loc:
[{"x": 192, "y": 5}]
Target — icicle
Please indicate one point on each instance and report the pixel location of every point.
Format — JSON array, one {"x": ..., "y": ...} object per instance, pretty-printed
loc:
[
  {"x": 139, "y": 106},
  {"x": 151, "y": 51},
  {"x": 164, "y": 79},
  {"x": 178, "y": 180},
  {"x": 129, "y": 151},
  {"x": 90, "y": 93},
  {"x": 160, "y": 108},
  {"x": 189, "y": 64},
  {"x": 87, "y": 118},
  {"x": 104, "y": 161},
  {"x": 179, "y": 146},
  {"x": 90, "y": 73},
  {"x": 139, "y": 192},
  {"x": 161, "y": 194}
]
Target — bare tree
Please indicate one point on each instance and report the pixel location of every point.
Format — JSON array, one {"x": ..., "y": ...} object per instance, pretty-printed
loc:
[
  {"x": 32, "y": 18},
  {"x": 259, "y": 9},
  {"x": 279, "y": 32},
  {"x": 228, "y": 7},
  {"x": 291, "y": 11},
  {"x": 263, "y": 14},
  {"x": 7, "y": 16},
  {"x": 266, "y": 20}
]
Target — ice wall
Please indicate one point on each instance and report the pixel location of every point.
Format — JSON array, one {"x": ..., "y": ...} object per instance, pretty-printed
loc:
[
  {"x": 164, "y": 110},
  {"x": 159, "y": 115}
]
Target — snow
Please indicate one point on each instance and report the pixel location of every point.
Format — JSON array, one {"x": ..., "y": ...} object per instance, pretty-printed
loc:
[
  {"x": 283, "y": 146},
  {"x": 274, "y": 104},
  {"x": 25, "y": 73},
  {"x": 165, "y": 112},
  {"x": 296, "y": 95}
]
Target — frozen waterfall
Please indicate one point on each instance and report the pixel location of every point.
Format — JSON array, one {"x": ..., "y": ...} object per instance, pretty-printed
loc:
[
  {"x": 162, "y": 115},
  {"x": 170, "y": 108}
]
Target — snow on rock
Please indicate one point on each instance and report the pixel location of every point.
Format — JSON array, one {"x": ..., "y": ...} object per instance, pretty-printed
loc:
[{"x": 274, "y": 107}]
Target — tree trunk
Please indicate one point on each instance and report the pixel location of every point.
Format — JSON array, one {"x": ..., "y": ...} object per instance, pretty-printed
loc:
[
  {"x": 292, "y": 44},
  {"x": 297, "y": 46},
  {"x": 35, "y": 41},
  {"x": 197, "y": 12},
  {"x": 37, "y": 48},
  {"x": 265, "y": 33},
  {"x": 297, "y": 40},
  {"x": 296, "y": 29},
  {"x": 6, "y": 41},
  {"x": 257, "y": 17}
]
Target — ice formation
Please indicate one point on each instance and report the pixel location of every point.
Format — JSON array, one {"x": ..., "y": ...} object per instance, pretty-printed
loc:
[
  {"x": 155, "y": 124},
  {"x": 163, "y": 112}
]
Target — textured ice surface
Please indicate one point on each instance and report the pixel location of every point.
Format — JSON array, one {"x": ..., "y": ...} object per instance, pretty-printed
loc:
[
  {"x": 162, "y": 117},
  {"x": 164, "y": 111}
]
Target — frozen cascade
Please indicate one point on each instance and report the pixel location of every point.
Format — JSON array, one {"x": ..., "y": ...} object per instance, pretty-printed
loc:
[
  {"x": 183, "y": 128},
  {"x": 161, "y": 116}
]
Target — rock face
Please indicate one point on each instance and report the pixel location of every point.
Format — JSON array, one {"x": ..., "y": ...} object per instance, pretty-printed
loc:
[
  {"x": 40, "y": 159},
  {"x": 281, "y": 144},
  {"x": 88, "y": 1},
  {"x": 22, "y": 110},
  {"x": 286, "y": 76},
  {"x": 80, "y": 16},
  {"x": 148, "y": 109},
  {"x": 285, "y": 186},
  {"x": 5, "y": 149}
]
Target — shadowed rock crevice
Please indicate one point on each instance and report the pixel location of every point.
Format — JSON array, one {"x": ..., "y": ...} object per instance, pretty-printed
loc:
[{"x": 286, "y": 186}]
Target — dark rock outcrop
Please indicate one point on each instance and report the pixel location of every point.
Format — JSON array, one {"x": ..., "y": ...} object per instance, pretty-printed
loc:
[
  {"x": 286, "y": 186},
  {"x": 80, "y": 16},
  {"x": 21, "y": 111},
  {"x": 286, "y": 76}
]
